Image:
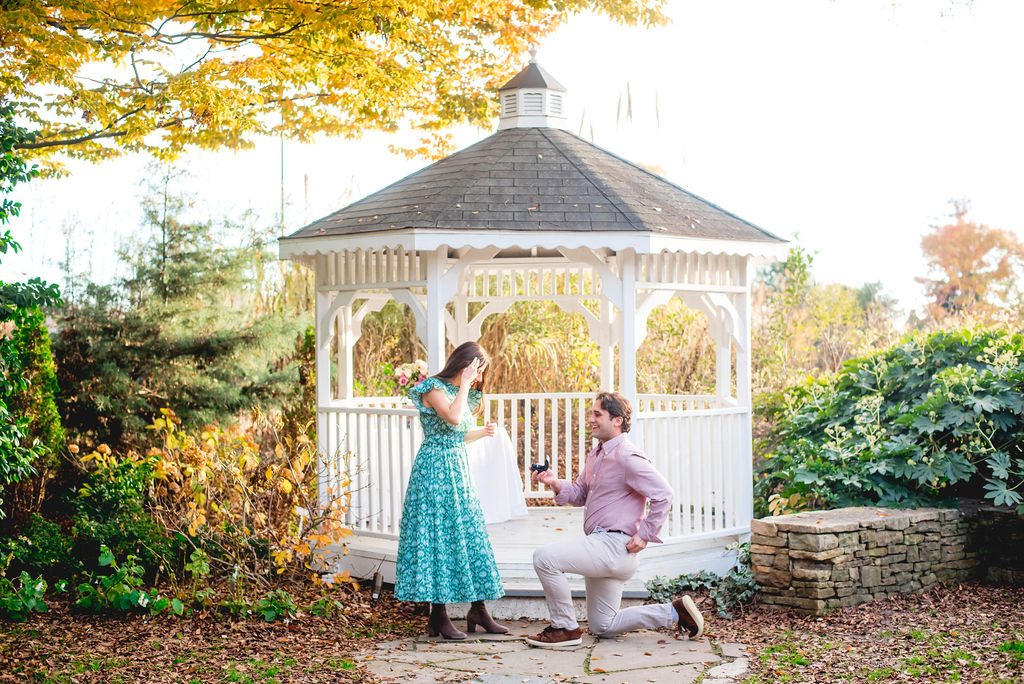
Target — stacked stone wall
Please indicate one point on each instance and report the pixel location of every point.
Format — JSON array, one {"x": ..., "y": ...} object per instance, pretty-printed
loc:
[
  {"x": 997, "y": 534},
  {"x": 817, "y": 560}
]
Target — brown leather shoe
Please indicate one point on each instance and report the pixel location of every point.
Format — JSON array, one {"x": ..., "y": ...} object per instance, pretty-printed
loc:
[
  {"x": 690, "y": 618},
  {"x": 556, "y": 637}
]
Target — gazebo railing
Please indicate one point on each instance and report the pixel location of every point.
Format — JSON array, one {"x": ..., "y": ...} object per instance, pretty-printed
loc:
[
  {"x": 543, "y": 428},
  {"x": 372, "y": 449},
  {"x": 704, "y": 454}
]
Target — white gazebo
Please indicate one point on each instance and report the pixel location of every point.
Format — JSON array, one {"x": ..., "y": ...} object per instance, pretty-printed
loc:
[{"x": 534, "y": 212}]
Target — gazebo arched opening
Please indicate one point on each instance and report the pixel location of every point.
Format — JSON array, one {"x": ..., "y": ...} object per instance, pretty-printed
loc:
[{"x": 533, "y": 213}]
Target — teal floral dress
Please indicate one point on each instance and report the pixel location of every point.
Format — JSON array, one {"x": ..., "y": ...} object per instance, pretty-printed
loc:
[{"x": 444, "y": 553}]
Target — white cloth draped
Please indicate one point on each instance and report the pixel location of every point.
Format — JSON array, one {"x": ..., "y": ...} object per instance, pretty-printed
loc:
[{"x": 495, "y": 472}]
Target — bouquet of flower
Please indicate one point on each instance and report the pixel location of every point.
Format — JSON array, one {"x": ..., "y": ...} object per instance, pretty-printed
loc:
[{"x": 414, "y": 372}]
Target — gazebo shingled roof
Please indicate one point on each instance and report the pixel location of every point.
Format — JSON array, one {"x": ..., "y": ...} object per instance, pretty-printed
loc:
[{"x": 536, "y": 179}]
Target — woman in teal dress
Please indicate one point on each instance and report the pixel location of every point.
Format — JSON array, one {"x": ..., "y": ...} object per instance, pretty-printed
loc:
[{"x": 444, "y": 553}]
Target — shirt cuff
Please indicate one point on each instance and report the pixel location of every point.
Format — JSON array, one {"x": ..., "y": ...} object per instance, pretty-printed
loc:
[{"x": 563, "y": 497}]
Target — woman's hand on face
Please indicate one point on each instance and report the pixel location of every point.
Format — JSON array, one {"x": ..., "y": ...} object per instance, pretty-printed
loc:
[{"x": 470, "y": 371}]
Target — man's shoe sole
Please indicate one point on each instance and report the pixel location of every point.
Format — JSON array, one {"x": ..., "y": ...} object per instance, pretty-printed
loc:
[
  {"x": 691, "y": 608},
  {"x": 558, "y": 644}
]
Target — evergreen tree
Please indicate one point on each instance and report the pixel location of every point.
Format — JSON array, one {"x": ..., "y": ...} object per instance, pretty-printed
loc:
[{"x": 189, "y": 329}]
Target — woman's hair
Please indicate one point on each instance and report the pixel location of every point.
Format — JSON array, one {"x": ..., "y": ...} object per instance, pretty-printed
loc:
[
  {"x": 461, "y": 357},
  {"x": 617, "y": 406}
]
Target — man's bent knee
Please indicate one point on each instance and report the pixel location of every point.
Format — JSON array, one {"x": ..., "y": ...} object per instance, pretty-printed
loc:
[{"x": 543, "y": 559}]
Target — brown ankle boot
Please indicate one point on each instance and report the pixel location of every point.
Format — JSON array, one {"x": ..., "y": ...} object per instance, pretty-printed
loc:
[
  {"x": 438, "y": 623},
  {"x": 478, "y": 615}
]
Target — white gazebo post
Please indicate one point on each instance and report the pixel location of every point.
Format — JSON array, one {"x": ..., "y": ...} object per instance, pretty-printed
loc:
[
  {"x": 346, "y": 346},
  {"x": 743, "y": 377},
  {"x": 534, "y": 213},
  {"x": 436, "y": 262},
  {"x": 323, "y": 394},
  {"x": 629, "y": 336}
]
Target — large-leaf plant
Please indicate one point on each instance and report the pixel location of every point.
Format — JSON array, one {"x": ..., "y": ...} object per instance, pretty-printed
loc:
[{"x": 936, "y": 416}]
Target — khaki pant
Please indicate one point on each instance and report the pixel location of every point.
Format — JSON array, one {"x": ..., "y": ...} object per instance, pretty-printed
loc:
[{"x": 602, "y": 559}]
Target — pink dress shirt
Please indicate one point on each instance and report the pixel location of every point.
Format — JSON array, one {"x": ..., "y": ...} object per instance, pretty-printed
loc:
[{"x": 615, "y": 486}]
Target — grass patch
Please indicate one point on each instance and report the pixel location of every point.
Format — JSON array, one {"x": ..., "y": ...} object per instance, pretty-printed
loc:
[
  {"x": 781, "y": 659},
  {"x": 1014, "y": 648},
  {"x": 253, "y": 670},
  {"x": 99, "y": 664},
  {"x": 84, "y": 666},
  {"x": 340, "y": 664}
]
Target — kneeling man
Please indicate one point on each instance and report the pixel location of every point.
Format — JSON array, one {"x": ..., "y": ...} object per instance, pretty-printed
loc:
[{"x": 614, "y": 488}]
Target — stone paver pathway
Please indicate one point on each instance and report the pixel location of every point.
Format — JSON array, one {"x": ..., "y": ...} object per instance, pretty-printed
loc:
[{"x": 633, "y": 658}]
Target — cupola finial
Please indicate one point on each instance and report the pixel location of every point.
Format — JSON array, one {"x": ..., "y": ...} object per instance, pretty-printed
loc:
[{"x": 533, "y": 54}]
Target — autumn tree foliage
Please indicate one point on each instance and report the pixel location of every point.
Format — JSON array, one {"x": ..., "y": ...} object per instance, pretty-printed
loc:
[
  {"x": 975, "y": 269},
  {"x": 97, "y": 78}
]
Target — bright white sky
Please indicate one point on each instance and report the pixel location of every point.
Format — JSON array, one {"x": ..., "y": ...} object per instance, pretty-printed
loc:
[{"x": 850, "y": 123}]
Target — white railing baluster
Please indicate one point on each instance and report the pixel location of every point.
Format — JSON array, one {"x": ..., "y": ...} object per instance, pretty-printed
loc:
[
  {"x": 514, "y": 429},
  {"x": 728, "y": 472},
  {"x": 708, "y": 474},
  {"x": 542, "y": 452},
  {"x": 567, "y": 407},
  {"x": 555, "y": 456},
  {"x": 735, "y": 457},
  {"x": 581, "y": 408},
  {"x": 362, "y": 463},
  {"x": 528, "y": 442},
  {"x": 696, "y": 480},
  {"x": 668, "y": 460},
  {"x": 378, "y": 488},
  {"x": 390, "y": 481},
  {"x": 679, "y": 482},
  {"x": 721, "y": 454}
]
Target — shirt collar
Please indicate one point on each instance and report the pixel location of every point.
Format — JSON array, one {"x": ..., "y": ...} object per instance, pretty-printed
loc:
[{"x": 612, "y": 444}]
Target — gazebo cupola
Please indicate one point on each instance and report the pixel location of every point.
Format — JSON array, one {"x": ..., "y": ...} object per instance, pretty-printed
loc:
[{"x": 533, "y": 98}]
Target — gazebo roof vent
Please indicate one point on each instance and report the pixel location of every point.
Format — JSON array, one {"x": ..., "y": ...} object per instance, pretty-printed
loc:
[{"x": 532, "y": 99}]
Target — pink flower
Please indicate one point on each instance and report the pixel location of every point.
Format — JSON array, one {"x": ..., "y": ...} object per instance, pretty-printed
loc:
[
  {"x": 421, "y": 378},
  {"x": 403, "y": 380}
]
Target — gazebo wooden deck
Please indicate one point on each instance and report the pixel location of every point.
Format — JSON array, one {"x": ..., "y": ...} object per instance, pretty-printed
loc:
[{"x": 535, "y": 213}]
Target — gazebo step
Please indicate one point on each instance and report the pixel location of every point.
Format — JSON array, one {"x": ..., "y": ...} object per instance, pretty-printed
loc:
[{"x": 515, "y": 541}]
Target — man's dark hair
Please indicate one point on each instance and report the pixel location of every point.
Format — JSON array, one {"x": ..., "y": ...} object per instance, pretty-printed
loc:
[{"x": 617, "y": 406}]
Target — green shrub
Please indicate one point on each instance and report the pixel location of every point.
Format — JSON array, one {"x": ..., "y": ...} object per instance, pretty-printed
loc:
[
  {"x": 111, "y": 511},
  {"x": 36, "y": 402},
  {"x": 121, "y": 590},
  {"x": 277, "y": 604},
  {"x": 17, "y": 602},
  {"x": 43, "y": 548},
  {"x": 935, "y": 416}
]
